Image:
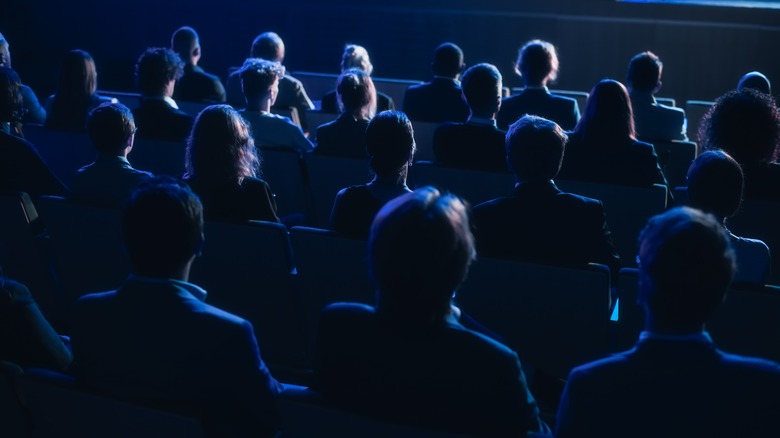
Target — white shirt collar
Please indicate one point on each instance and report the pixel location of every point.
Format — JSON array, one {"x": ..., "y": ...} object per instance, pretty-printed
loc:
[{"x": 193, "y": 289}]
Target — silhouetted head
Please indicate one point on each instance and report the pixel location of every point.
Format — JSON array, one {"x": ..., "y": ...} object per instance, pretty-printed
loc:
[
  {"x": 448, "y": 61},
  {"x": 715, "y": 183},
  {"x": 5, "y": 52},
  {"x": 220, "y": 148},
  {"x": 755, "y": 80},
  {"x": 420, "y": 249},
  {"x": 268, "y": 46},
  {"x": 482, "y": 89},
  {"x": 746, "y": 124},
  {"x": 644, "y": 72},
  {"x": 608, "y": 113},
  {"x": 11, "y": 109},
  {"x": 111, "y": 127},
  {"x": 390, "y": 144},
  {"x": 155, "y": 69},
  {"x": 78, "y": 76},
  {"x": 260, "y": 78},
  {"x": 537, "y": 63},
  {"x": 186, "y": 44},
  {"x": 685, "y": 267},
  {"x": 163, "y": 227},
  {"x": 355, "y": 56},
  {"x": 356, "y": 94},
  {"x": 534, "y": 149}
]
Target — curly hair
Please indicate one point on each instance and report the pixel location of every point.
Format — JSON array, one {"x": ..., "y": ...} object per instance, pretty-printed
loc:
[
  {"x": 11, "y": 109},
  {"x": 155, "y": 68}
]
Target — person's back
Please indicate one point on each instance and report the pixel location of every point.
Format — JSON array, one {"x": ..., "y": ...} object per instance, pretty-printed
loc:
[
  {"x": 653, "y": 121},
  {"x": 195, "y": 85},
  {"x": 346, "y": 136},
  {"x": 441, "y": 99}
]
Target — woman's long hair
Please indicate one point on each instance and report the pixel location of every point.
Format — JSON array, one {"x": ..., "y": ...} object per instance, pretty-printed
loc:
[
  {"x": 356, "y": 94},
  {"x": 75, "y": 92},
  {"x": 608, "y": 114}
]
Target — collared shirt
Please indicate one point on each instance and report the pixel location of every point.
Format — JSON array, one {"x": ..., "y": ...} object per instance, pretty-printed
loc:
[
  {"x": 482, "y": 121},
  {"x": 691, "y": 337},
  {"x": 166, "y": 99},
  {"x": 196, "y": 291},
  {"x": 544, "y": 87}
]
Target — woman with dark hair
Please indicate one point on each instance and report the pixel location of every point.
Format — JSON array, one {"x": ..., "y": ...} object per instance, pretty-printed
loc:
[
  {"x": 223, "y": 167},
  {"x": 346, "y": 136},
  {"x": 76, "y": 93},
  {"x": 603, "y": 147}
]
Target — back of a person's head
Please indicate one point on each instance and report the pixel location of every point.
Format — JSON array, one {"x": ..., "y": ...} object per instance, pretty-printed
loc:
[
  {"x": 608, "y": 113},
  {"x": 534, "y": 148},
  {"x": 685, "y": 267},
  {"x": 715, "y": 183},
  {"x": 163, "y": 227},
  {"x": 11, "y": 109},
  {"x": 481, "y": 85},
  {"x": 268, "y": 45},
  {"x": 420, "y": 249},
  {"x": 110, "y": 125},
  {"x": 447, "y": 60},
  {"x": 746, "y": 124},
  {"x": 537, "y": 62},
  {"x": 356, "y": 93},
  {"x": 78, "y": 76},
  {"x": 390, "y": 143},
  {"x": 5, "y": 52},
  {"x": 355, "y": 56},
  {"x": 258, "y": 76},
  {"x": 184, "y": 42},
  {"x": 155, "y": 68},
  {"x": 755, "y": 80},
  {"x": 220, "y": 148},
  {"x": 644, "y": 72}
]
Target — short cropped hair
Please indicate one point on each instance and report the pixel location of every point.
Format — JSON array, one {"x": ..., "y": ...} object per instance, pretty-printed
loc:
[
  {"x": 534, "y": 148},
  {"x": 447, "y": 60},
  {"x": 755, "y": 80},
  {"x": 644, "y": 72},
  {"x": 482, "y": 85},
  {"x": 389, "y": 143},
  {"x": 184, "y": 40},
  {"x": 110, "y": 125},
  {"x": 356, "y": 93},
  {"x": 715, "y": 184},
  {"x": 11, "y": 108},
  {"x": 355, "y": 56},
  {"x": 268, "y": 45},
  {"x": 155, "y": 68},
  {"x": 258, "y": 75},
  {"x": 162, "y": 226},
  {"x": 537, "y": 62}
]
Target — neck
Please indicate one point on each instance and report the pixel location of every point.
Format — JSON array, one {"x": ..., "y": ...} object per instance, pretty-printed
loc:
[{"x": 653, "y": 325}]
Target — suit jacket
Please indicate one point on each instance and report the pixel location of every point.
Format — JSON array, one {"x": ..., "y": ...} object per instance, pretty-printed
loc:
[
  {"x": 440, "y": 100},
  {"x": 654, "y": 121},
  {"x": 671, "y": 389},
  {"x": 356, "y": 206},
  {"x": 33, "y": 110},
  {"x": 23, "y": 170},
  {"x": 291, "y": 95},
  {"x": 109, "y": 181},
  {"x": 343, "y": 137},
  {"x": 157, "y": 119},
  {"x": 273, "y": 130},
  {"x": 250, "y": 200},
  {"x": 441, "y": 375},
  {"x": 198, "y": 86},
  {"x": 542, "y": 224},
  {"x": 330, "y": 103},
  {"x": 470, "y": 145},
  {"x": 539, "y": 102}
]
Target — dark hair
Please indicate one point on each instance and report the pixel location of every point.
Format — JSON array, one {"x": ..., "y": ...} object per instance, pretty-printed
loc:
[
  {"x": 715, "y": 184},
  {"x": 183, "y": 41},
  {"x": 537, "y": 62},
  {"x": 258, "y": 75},
  {"x": 110, "y": 125},
  {"x": 163, "y": 227},
  {"x": 745, "y": 123},
  {"x": 75, "y": 93},
  {"x": 447, "y": 60},
  {"x": 420, "y": 249},
  {"x": 608, "y": 114},
  {"x": 11, "y": 108},
  {"x": 268, "y": 46},
  {"x": 390, "y": 143},
  {"x": 482, "y": 87},
  {"x": 534, "y": 148},
  {"x": 644, "y": 72},
  {"x": 155, "y": 68},
  {"x": 755, "y": 80},
  {"x": 686, "y": 264},
  {"x": 356, "y": 93}
]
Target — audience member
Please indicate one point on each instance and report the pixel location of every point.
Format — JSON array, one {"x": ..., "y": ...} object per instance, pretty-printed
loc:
[
  {"x": 33, "y": 110},
  {"x": 540, "y": 223},
  {"x": 223, "y": 167},
  {"x": 355, "y": 56},
  {"x": 158, "y": 117},
  {"x": 195, "y": 85},
  {"x": 478, "y": 143},
  {"x": 409, "y": 359},
  {"x": 441, "y": 99},
  {"x": 675, "y": 382},
  {"x": 746, "y": 124},
  {"x": 715, "y": 184},
  {"x": 537, "y": 65},
  {"x": 76, "y": 94},
  {"x": 653, "y": 120},
  {"x": 346, "y": 136},
  {"x": 755, "y": 80},
  {"x": 260, "y": 82},
  {"x": 390, "y": 149},
  {"x": 155, "y": 339},
  {"x": 110, "y": 180}
]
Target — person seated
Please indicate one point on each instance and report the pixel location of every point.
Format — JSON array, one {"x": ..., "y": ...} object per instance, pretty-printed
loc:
[
  {"x": 478, "y": 143},
  {"x": 355, "y": 56},
  {"x": 603, "y": 147},
  {"x": 110, "y": 180},
  {"x": 390, "y": 149},
  {"x": 346, "y": 136},
  {"x": 33, "y": 110},
  {"x": 441, "y": 99},
  {"x": 653, "y": 121},
  {"x": 21, "y": 168},
  {"x": 746, "y": 124},
  {"x": 537, "y": 65},
  {"x": 195, "y": 85},
  {"x": 755, "y": 80},
  {"x": 158, "y": 117},
  {"x": 154, "y": 339},
  {"x": 715, "y": 184},
  {"x": 260, "y": 82},
  {"x": 540, "y": 223},
  {"x": 410, "y": 359},
  {"x": 223, "y": 167},
  {"x": 76, "y": 93},
  {"x": 675, "y": 382}
]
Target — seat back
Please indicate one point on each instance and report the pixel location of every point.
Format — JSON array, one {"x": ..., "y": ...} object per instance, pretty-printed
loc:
[
  {"x": 284, "y": 171},
  {"x": 475, "y": 186},
  {"x": 695, "y": 111},
  {"x": 675, "y": 158},
  {"x": 128, "y": 99},
  {"x": 317, "y": 118},
  {"x": 395, "y": 88},
  {"x": 631, "y": 316},
  {"x": 192, "y": 108},
  {"x": 668, "y": 101},
  {"x": 158, "y": 156},
  {"x": 423, "y": 137},
  {"x": 316, "y": 84},
  {"x": 328, "y": 175},
  {"x": 13, "y": 418},
  {"x": 580, "y": 96},
  {"x": 64, "y": 152}
]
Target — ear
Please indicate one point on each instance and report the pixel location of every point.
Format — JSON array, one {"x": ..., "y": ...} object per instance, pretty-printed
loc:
[
  {"x": 657, "y": 87},
  {"x": 196, "y": 51}
]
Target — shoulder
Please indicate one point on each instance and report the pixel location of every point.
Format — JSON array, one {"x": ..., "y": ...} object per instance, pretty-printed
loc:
[
  {"x": 357, "y": 191},
  {"x": 753, "y": 365},
  {"x": 253, "y": 183},
  {"x": 563, "y": 100},
  {"x": 346, "y": 315},
  {"x": 291, "y": 80}
]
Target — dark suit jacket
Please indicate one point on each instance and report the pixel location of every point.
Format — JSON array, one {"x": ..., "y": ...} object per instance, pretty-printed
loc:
[
  {"x": 250, "y": 200},
  {"x": 440, "y": 100},
  {"x": 356, "y": 206},
  {"x": 23, "y": 170},
  {"x": 470, "y": 145},
  {"x": 343, "y": 137},
  {"x": 656, "y": 122},
  {"x": 198, "y": 86},
  {"x": 157, "y": 120},
  {"x": 441, "y": 376},
  {"x": 671, "y": 389},
  {"x": 542, "y": 224},
  {"x": 539, "y": 102},
  {"x": 330, "y": 103}
]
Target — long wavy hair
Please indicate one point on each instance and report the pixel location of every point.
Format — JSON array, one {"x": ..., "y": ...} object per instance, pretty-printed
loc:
[
  {"x": 75, "y": 92},
  {"x": 608, "y": 114}
]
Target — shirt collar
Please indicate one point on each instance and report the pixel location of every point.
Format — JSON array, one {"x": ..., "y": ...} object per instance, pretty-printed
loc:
[
  {"x": 691, "y": 337},
  {"x": 544, "y": 87},
  {"x": 196, "y": 291},
  {"x": 482, "y": 121},
  {"x": 166, "y": 99}
]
